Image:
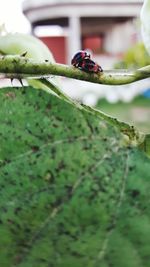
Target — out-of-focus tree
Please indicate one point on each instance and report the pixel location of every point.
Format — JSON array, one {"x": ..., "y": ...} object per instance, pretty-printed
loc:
[{"x": 135, "y": 57}]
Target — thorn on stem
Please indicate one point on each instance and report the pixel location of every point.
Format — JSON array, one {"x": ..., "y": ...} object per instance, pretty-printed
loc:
[
  {"x": 21, "y": 82},
  {"x": 11, "y": 79},
  {"x": 24, "y": 54}
]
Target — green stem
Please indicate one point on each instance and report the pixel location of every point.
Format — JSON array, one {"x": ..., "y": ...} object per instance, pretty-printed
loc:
[{"x": 22, "y": 67}]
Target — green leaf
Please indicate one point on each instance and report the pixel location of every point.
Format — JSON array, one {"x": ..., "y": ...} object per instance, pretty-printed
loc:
[
  {"x": 18, "y": 43},
  {"x": 71, "y": 195},
  {"x": 32, "y": 47}
]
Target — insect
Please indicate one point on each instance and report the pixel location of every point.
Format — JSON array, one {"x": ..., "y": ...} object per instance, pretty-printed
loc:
[
  {"x": 89, "y": 65},
  {"x": 82, "y": 60},
  {"x": 79, "y": 57}
]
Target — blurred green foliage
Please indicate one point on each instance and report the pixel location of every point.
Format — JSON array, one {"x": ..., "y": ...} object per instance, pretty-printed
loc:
[
  {"x": 71, "y": 193},
  {"x": 136, "y": 112},
  {"x": 135, "y": 57}
]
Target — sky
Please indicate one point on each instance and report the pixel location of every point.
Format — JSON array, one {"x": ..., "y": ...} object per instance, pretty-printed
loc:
[{"x": 11, "y": 15}]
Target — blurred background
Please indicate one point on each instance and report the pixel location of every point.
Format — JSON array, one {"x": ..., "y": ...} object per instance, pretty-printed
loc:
[{"x": 109, "y": 29}]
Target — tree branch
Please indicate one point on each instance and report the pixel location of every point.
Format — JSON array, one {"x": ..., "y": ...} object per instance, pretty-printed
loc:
[{"x": 21, "y": 67}]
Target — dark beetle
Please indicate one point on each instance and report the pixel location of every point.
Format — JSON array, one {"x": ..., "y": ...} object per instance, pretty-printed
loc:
[
  {"x": 79, "y": 57},
  {"x": 82, "y": 60},
  {"x": 90, "y": 66}
]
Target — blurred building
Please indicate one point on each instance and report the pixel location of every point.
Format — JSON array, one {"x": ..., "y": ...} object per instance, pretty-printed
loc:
[{"x": 106, "y": 27}]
